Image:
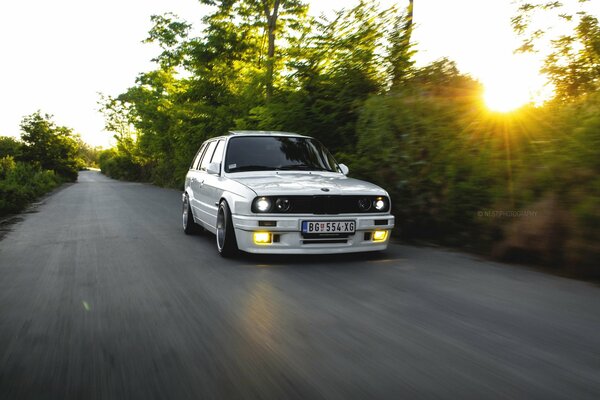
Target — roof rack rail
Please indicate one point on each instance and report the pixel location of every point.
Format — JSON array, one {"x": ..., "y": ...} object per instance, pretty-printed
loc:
[{"x": 274, "y": 133}]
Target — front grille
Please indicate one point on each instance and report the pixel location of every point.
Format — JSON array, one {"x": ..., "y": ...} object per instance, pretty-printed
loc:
[{"x": 334, "y": 204}]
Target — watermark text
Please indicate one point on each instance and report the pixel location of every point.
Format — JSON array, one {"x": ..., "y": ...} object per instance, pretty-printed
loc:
[{"x": 506, "y": 213}]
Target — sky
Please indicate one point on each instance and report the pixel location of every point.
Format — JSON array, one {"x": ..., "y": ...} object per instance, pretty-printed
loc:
[{"x": 58, "y": 55}]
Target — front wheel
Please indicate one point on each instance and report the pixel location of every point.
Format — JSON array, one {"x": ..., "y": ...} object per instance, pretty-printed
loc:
[
  {"x": 189, "y": 226},
  {"x": 226, "y": 242}
]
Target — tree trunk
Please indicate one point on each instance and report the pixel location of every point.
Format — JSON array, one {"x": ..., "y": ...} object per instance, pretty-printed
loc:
[{"x": 271, "y": 28}]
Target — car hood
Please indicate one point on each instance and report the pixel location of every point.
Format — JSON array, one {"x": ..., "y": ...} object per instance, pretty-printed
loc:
[{"x": 293, "y": 184}]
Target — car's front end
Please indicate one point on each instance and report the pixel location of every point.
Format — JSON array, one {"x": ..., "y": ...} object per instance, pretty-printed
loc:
[{"x": 315, "y": 223}]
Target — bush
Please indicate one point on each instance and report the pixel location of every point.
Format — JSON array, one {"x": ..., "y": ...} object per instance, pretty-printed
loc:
[
  {"x": 21, "y": 183},
  {"x": 120, "y": 165}
]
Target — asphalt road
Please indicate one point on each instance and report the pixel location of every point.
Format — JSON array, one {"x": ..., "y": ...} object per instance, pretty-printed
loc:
[{"x": 102, "y": 296}]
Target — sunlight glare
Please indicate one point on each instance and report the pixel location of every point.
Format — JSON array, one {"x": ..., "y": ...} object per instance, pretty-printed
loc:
[
  {"x": 512, "y": 81},
  {"x": 505, "y": 95}
]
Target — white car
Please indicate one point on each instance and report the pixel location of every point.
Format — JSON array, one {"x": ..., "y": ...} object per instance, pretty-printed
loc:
[{"x": 277, "y": 192}]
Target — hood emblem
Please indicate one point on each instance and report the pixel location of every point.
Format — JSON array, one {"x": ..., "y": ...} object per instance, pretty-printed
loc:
[{"x": 325, "y": 189}]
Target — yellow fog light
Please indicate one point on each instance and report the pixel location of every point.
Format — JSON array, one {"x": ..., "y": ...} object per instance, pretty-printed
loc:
[
  {"x": 380, "y": 236},
  {"x": 262, "y": 238}
]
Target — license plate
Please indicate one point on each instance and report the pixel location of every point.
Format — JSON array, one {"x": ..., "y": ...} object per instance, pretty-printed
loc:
[{"x": 328, "y": 226}]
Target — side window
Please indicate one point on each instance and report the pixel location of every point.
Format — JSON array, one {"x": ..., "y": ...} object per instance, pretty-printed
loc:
[
  {"x": 218, "y": 156},
  {"x": 196, "y": 160},
  {"x": 207, "y": 155}
]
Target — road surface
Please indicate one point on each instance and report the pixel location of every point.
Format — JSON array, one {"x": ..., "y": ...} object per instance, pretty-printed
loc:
[{"x": 102, "y": 296}]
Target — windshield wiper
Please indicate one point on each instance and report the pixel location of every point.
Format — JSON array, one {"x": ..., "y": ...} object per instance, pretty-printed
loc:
[
  {"x": 302, "y": 167},
  {"x": 251, "y": 168}
]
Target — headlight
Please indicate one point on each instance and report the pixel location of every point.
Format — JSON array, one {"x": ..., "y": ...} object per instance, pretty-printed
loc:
[
  {"x": 364, "y": 204},
  {"x": 261, "y": 204},
  {"x": 380, "y": 203},
  {"x": 282, "y": 204}
]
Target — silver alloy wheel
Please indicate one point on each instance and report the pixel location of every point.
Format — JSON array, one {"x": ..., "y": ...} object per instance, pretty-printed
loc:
[
  {"x": 221, "y": 229},
  {"x": 186, "y": 209}
]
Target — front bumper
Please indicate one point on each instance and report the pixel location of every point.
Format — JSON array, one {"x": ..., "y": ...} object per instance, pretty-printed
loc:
[{"x": 288, "y": 238}]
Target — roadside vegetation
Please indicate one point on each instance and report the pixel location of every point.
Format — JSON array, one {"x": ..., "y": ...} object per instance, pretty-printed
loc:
[
  {"x": 45, "y": 156},
  {"x": 523, "y": 185}
]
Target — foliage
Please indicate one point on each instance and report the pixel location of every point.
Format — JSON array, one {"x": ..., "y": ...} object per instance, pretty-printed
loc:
[
  {"x": 46, "y": 156},
  {"x": 572, "y": 59},
  {"x": 411, "y": 141},
  {"x": 401, "y": 49},
  {"x": 21, "y": 183},
  {"x": 121, "y": 163},
  {"x": 574, "y": 71},
  {"x": 50, "y": 146},
  {"x": 87, "y": 155},
  {"x": 10, "y": 146}
]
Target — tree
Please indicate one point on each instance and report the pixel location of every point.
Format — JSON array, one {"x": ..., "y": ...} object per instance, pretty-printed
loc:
[
  {"x": 401, "y": 50},
  {"x": 572, "y": 59},
  {"x": 169, "y": 33},
  {"x": 51, "y": 146},
  {"x": 10, "y": 146},
  {"x": 270, "y": 15},
  {"x": 574, "y": 65},
  {"x": 335, "y": 67}
]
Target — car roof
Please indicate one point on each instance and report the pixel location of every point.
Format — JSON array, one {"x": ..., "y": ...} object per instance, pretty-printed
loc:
[{"x": 267, "y": 133}]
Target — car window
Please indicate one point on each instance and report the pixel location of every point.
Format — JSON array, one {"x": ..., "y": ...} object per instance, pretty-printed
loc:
[
  {"x": 256, "y": 153},
  {"x": 208, "y": 155},
  {"x": 218, "y": 156},
  {"x": 196, "y": 160}
]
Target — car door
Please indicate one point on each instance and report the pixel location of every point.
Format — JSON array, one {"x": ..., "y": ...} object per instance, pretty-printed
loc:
[
  {"x": 201, "y": 194},
  {"x": 212, "y": 184},
  {"x": 192, "y": 177}
]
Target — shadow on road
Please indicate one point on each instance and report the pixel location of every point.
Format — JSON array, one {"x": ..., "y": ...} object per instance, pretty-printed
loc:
[{"x": 313, "y": 259}]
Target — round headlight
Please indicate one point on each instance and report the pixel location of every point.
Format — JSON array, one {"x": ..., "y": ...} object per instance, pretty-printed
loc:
[
  {"x": 263, "y": 204},
  {"x": 364, "y": 204},
  {"x": 379, "y": 204},
  {"x": 282, "y": 204}
]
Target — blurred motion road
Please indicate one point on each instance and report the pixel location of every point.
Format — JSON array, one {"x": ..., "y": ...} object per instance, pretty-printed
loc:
[{"x": 102, "y": 296}]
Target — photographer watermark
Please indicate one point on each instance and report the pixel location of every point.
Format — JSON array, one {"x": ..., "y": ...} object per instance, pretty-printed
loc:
[{"x": 506, "y": 213}]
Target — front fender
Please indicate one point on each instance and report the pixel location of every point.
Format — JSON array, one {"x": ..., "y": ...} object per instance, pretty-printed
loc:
[{"x": 238, "y": 204}]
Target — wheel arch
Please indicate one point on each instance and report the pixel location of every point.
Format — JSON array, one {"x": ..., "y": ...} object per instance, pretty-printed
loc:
[{"x": 237, "y": 204}]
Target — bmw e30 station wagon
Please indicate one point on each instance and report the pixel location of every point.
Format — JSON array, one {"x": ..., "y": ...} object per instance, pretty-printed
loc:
[{"x": 281, "y": 193}]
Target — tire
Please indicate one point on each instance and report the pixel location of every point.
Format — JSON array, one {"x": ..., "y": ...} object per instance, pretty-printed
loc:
[
  {"x": 226, "y": 242},
  {"x": 189, "y": 226}
]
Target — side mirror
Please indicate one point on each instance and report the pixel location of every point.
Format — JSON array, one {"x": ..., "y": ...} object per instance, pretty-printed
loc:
[
  {"x": 214, "y": 168},
  {"x": 344, "y": 169}
]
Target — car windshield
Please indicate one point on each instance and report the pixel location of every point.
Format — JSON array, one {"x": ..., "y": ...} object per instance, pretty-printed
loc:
[{"x": 277, "y": 153}]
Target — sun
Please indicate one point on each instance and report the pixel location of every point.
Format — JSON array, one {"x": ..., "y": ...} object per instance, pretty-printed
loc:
[
  {"x": 505, "y": 95},
  {"x": 511, "y": 81}
]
